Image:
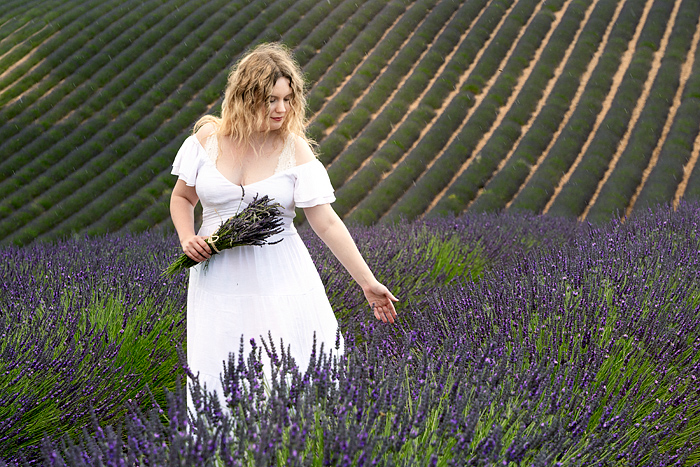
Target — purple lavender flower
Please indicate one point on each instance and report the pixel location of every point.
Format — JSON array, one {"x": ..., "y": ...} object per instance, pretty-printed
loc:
[{"x": 523, "y": 339}]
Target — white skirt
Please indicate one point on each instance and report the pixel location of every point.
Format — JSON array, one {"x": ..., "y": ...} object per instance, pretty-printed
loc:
[{"x": 256, "y": 292}]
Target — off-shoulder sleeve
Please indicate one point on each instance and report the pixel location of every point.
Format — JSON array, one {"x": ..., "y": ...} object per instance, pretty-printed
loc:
[
  {"x": 189, "y": 160},
  {"x": 313, "y": 186}
]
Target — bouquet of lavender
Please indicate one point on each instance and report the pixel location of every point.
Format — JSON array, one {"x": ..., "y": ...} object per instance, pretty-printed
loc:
[{"x": 250, "y": 226}]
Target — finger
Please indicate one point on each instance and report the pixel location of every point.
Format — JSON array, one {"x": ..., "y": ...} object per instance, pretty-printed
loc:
[
  {"x": 390, "y": 297},
  {"x": 203, "y": 247},
  {"x": 385, "y": 312},
  {"x": 195, "y": 256},
  {"x": 378, "y": 312},
  {"x": 393, "y": 308},
  {"x": 375, "y": 310},
  {"x": 389, "y": 317},
  {"x": 386, "y": 316},
  {"x": 389, "y": 307},
  {"x": 196, "y": 252},
  {"x": 207, "y": 246},
  {"x": 203, "y": 254}
]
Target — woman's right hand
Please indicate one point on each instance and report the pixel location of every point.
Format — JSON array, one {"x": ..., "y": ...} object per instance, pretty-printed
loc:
[
  {"x": 381, "y": 300},
  {"x": 196, "y": 248}
]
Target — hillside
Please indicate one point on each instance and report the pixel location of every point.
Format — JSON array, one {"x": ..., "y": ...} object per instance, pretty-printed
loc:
[{"x": 578, "y": 108}]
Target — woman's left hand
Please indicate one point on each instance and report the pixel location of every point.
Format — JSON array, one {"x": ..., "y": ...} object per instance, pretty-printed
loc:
[{"x": 381, "y": 301}]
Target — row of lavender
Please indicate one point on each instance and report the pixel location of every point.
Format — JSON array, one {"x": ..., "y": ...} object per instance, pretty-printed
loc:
[{"x": 523, "y": 339}]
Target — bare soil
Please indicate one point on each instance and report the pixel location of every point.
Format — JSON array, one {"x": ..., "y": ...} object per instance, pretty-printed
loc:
[
  {"x": 350, "y": 75},
  {"x": 625, "y": 61},
  {"x": 22, "y": 61},
  {"x": 641, "y": 103},
  {"x": 577, "y": 97},
  {"x": 463, "y": 78},
  {"x": 418, "y": 100},
  {"x": 548, "y": 90},
  {"x": 685, "y": 75},
  {"x": 511, "y": 100}
]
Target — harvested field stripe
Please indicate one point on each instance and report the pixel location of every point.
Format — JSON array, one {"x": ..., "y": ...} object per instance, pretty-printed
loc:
[
  {"x": 139, "y": 197},
  {"x": 685, "y": 76},
  {"x": 428, "y": 159},
  {"x": 27, "y": 56},
  {"x": 46, "y": 96},
  {"x": 39, "y": 49},
  {"x": 76, "y": 22},
  {"x": 653, "y": 73},
  {"x": 407, "y": 76},
  {"x": 579, "y": 92},
  {"x": 479, "y": 98},
  {"x": 687, "y": 170},
  {"x": 30, "y": 33},
  {"x": 540, "y": 105},
  {"x": 514, "y": 96},
  {"x": 359, "y": 65},
  {"x": 437, "y": 75},
  {"x": 449, "y": 99},
  {"x": 61, "y": 148},
  {"x": 110, "y": 162},
  {"x": 388, "y": 64},
  {"x": 625, "y": 61},
  {"x": 357, "y": 14}
]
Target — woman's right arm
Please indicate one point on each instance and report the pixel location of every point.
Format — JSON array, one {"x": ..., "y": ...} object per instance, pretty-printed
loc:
[{"x": 182, "y": 202}]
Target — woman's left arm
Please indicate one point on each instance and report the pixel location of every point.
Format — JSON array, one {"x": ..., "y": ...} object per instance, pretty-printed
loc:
[{"x": 331, "y": 229}]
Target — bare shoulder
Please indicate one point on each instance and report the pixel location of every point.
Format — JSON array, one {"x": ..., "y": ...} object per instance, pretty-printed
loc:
[
  {"x": 205, "y": 132},
  {"x": 302, "y": 151}
]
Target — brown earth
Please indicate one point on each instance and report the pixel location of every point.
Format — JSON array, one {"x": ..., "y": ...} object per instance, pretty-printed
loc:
[
  {"x": 625, "y": 61},
  {"x": 641, "y": 103}
]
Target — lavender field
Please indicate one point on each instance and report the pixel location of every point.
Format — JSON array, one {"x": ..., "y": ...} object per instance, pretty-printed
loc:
[
  {"x": 523, "y": 340},
  {"x": 421, "y": 108}
]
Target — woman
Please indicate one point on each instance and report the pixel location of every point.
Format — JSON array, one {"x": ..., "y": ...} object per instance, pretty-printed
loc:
[{"x": 258, "y": 147}]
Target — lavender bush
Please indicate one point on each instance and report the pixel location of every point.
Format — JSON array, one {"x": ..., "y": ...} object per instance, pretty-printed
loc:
[
  {"x": 523, "y": 340},
  {"x": 86, "y": 325}
]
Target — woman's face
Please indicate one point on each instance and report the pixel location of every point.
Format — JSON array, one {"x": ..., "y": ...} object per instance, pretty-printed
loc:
[{"x": 279, "y": 104}]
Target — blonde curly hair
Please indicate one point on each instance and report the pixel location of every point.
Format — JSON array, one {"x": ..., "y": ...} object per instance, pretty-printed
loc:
[{"x": 248, "y": 91}]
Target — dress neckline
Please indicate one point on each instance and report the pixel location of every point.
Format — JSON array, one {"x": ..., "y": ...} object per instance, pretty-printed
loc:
[{"x": 216, "y": 169}]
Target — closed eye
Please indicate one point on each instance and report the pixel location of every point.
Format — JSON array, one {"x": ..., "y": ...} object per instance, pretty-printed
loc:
[{"x": 274, "y": 99}]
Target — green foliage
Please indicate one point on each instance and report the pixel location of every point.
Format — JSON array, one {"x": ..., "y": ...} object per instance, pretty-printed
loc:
[
  {"x": 452, "y": 258},
  {"x": 119, "y": 338}
]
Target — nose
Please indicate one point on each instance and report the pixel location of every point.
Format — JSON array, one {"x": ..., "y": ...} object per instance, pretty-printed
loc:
[{"x": 280, "y": 106}]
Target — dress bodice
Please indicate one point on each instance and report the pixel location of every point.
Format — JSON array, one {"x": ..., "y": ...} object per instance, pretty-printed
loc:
[
  {"x": 286, "y": 158},
  {"x": 291, "y": 185}
]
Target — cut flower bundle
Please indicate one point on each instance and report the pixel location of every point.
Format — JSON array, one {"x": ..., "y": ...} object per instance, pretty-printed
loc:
[{"x": 251, "y": 226}]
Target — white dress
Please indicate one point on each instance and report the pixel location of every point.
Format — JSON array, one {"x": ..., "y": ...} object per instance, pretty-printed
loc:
[{"x": 251, "y": 291}]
